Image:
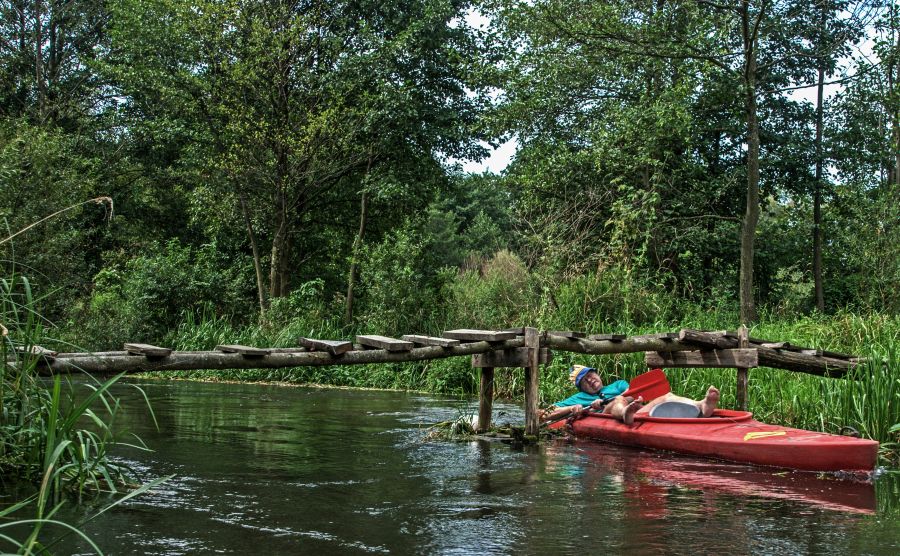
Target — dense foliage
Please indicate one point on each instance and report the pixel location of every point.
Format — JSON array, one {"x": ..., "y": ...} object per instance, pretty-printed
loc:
[
  {"x": 269, "y": 157},
  {"x": 283, "y": 168}
]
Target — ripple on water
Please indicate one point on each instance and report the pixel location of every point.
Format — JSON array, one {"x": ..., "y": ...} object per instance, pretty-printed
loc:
[{"x": 288, "y": 470}]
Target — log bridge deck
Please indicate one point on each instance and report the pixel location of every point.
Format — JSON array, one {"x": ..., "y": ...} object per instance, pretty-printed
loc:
[{"x": 516, "y": 347}]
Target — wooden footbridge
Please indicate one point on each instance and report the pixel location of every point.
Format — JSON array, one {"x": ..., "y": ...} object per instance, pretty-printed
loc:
[{"x": 516, "y": 347}]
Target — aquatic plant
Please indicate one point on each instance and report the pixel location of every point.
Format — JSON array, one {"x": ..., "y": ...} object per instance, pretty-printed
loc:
[{"x": 52, "y": 433}]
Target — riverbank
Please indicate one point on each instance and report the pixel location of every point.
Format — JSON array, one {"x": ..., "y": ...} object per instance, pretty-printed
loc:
[{"x": 867, "y": 401}]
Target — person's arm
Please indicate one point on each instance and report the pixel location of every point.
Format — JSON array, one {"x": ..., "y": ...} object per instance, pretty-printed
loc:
[{"x": 561, "y": 413}]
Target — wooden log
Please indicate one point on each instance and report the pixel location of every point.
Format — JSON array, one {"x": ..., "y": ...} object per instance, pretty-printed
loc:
[
  {"x": 383, "y": 342},
  {"x": 517, "y": 330},
  {"x": 633, "y": 344},
  {"x": 215, "y": 360},
  {"x": 836, "y": 355},
  {"x": 532, "y": 382},
  {"x": 715, "y": 340},
  {"x": 429, "y": 340},
  {"x": 243, "y": 350},
  {"x": 573, "y": 334},
  {"x": 707, "y": 358},
  {"x": 798, "y": 362},
  {"x": 65, "y": 355},
  {"x": 468, "y": 335},
  {"x": 607, "y": 337},
  {"x": 743, "y": 373},
  {"x": 147, "y": 350},
  {"x": 78, "y": 354},
  {"x": 334, "y": 347},
  {"x": 777, "y": 359},
  {"x": 485, "y": 399},
  {"x": 725, "y": 340},
  {"x": 517, "y": 357}
]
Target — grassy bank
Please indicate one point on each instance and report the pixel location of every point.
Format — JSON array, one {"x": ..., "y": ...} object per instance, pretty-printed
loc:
[
  {"x": 868, "y": 401},
  {"x": 502, "y": 291}
]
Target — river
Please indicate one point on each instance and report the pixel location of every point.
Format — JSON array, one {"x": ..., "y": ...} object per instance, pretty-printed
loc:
[{"x": 264, "y": 469}]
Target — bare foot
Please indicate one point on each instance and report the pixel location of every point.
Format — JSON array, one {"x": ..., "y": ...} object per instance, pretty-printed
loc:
[
  {"x": 630, "y": 410},
  {"x": 708, "y": 404}
]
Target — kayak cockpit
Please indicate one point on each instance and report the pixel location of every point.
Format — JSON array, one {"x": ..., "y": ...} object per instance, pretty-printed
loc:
[{"x": 726, "y": 415}]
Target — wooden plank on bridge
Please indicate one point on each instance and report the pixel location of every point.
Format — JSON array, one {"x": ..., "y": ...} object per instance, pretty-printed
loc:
[
  {"x": 243, "y": 350},
  {"x": 515, "y": 357},
  {"x": 429, "y": 340},
  {"x": 468, "y": 335},
  {"x": 787, "y": 346},
  {"x": 665, "y": 336},
  {"x": 745, "y": 358},
  {"x": 724, "y": 340},
  {"x": 383, "y": 342},
  {"x": 571, "y": 334},
  {"x": 518, "y": 330},
  {"x": 147, "y": 350},
  {"x": 37, "y": 350},
  {"x": 334, "y": 347},
  {"x": 607, "y": 337}
]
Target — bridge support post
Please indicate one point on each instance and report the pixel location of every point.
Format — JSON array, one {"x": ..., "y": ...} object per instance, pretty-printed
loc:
[
  {"x": 743, "y": 373},
  {"x": 485, "y": 399},
  {"x": 532, "y": 381}
]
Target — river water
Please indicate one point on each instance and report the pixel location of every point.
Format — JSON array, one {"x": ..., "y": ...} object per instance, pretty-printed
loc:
[{"x": 262, "y": 469}]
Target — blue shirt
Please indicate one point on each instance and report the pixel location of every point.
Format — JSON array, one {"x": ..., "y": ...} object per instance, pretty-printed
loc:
[{"x": 607, "y": 393}]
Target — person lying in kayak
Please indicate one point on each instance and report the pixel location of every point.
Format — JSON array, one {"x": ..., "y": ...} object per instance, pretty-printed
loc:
[{"x": 609, "y": 399}]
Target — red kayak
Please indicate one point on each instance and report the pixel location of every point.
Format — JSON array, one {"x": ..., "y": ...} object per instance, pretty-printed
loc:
[{"x": 735, "y": 436}]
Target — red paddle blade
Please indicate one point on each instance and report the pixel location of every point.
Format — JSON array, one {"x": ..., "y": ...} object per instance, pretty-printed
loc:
[{"x": 649, "y": 385}]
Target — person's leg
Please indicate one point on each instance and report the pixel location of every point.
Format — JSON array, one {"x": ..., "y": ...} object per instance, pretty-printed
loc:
[
  {"x": 623, "y": 408},
  {"x": 706, "y": 406}
]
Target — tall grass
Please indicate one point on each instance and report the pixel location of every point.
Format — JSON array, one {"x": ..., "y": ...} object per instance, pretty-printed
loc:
[
  {"x": 51, "y": 435},
  {"x": 503, "y": 294}
]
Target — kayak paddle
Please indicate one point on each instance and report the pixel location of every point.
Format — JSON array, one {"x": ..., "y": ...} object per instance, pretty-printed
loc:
[{"x": 649, "y": 385}]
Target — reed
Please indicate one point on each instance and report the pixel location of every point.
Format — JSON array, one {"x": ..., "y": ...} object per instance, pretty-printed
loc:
[
  {"x": 866, "y": 401},
  {"x": 54, "y": 433}
]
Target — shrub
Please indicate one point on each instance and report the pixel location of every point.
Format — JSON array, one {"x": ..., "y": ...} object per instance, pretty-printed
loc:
[{"x": 144, "y": 298}]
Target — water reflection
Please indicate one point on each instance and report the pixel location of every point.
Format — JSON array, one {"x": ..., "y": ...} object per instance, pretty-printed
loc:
[{"x": 263, "y": 469}]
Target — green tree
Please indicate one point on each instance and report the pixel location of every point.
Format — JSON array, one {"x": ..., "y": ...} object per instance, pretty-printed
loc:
[{"x": 285, "y": 108}]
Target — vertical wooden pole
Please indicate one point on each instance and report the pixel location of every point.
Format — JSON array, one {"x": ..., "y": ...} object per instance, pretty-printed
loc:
[
  {"x": 532, "y": 382},
  {"x": 485, "y": 399},
  {"x": 743, "y": 373}
]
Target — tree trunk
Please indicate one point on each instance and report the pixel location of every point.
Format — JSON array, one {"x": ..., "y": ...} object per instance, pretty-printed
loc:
[
  {"x": 895, "y": 123},
  {"x": 893, "y": 73},
  {"x": 354, "y": 261},
  {"x": 39, "y": 56},
  {"x": 817, "y": 198},
  {"x": 257, "y": 264},
  {"x": 280, "y": 252},
  {"x": 751, "y": 213},
  {"x": 357, "y": 246}
]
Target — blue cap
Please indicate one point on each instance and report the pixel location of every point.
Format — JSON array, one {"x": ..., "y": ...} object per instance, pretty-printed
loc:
[{"x": 578, "y": 372}]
